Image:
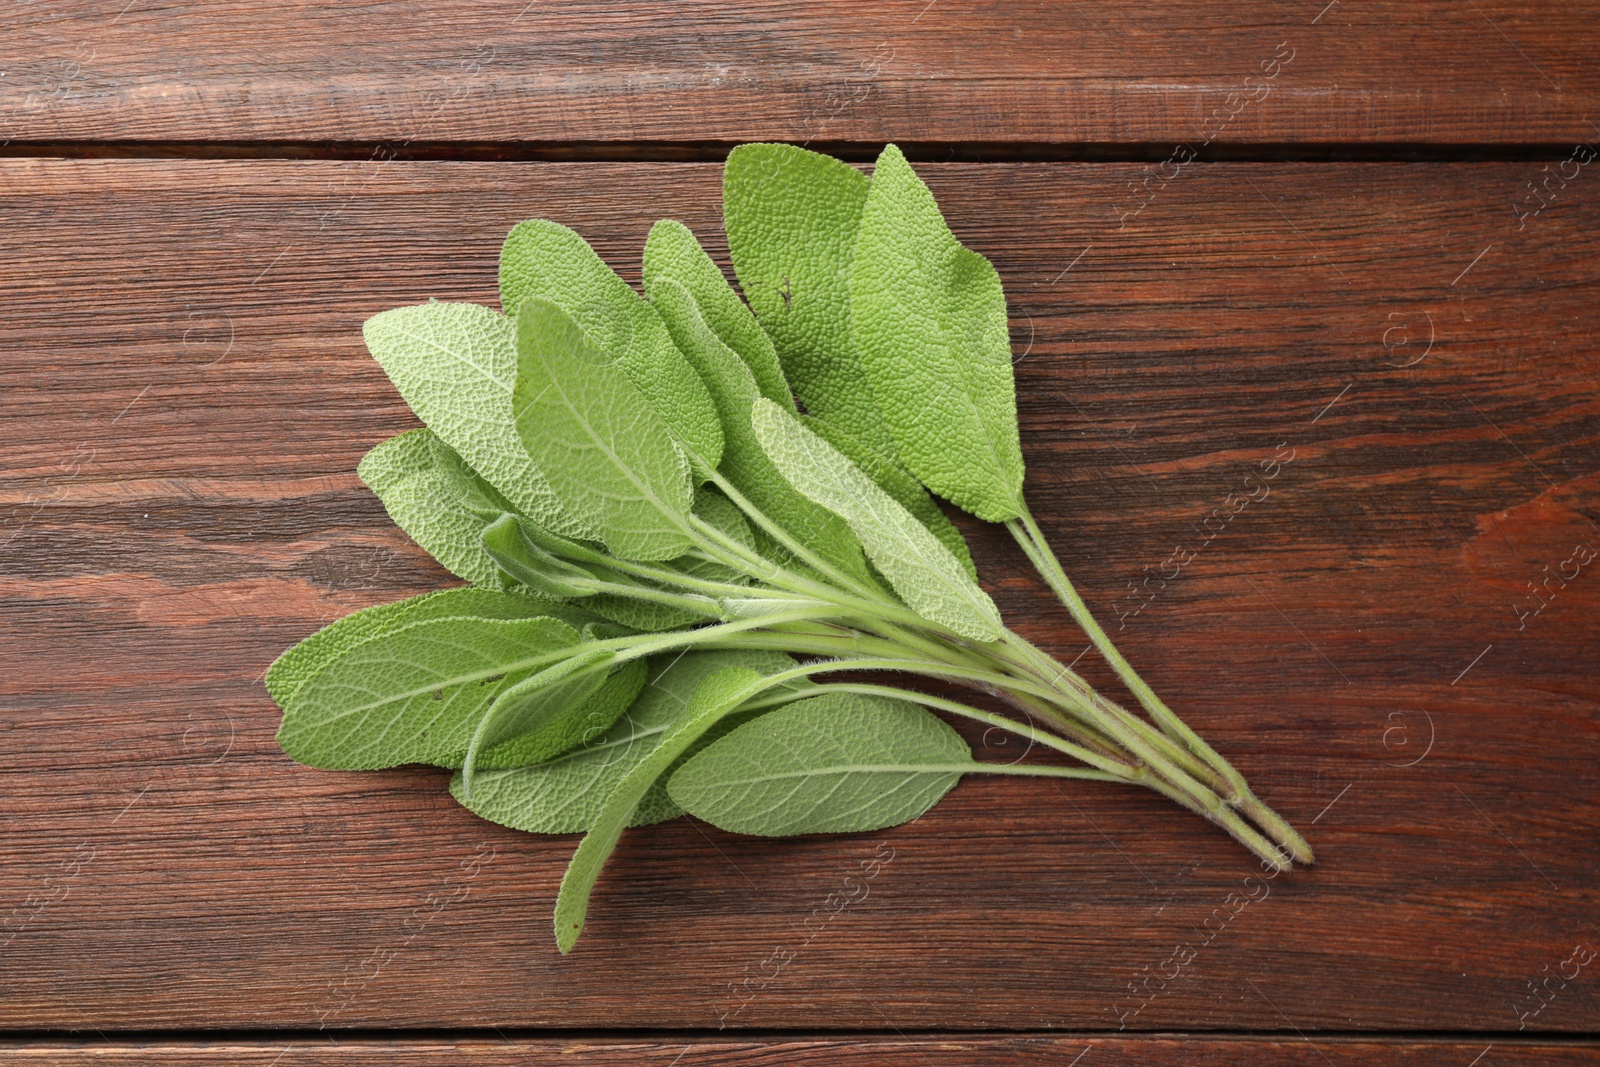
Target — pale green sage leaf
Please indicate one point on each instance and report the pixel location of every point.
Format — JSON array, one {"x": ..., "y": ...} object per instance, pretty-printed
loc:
[
  {"x": 546, "y": 709},
  {"x": 744, "y": 463},
  {"x": 718, "y": 695},
  {"x": 545, "y": 259},
  {"x": 604, "y": 450},
  {"x": 519, "y": 558},
  {"x": 930, "y": 326},
  {"x": 414, "y": 695},
  {"x": 922, "y": 570},
  {"x": 456, "y": 364},
  {"x": 564, "y": 794},
  {"x": 791, "y": 216},
  {"x": 303, "y": 660},
  {"x": 837, "y": 763},
  {"x": 609, "y": 701},
  {"x": 671, "y": 251},
  {"x": 440, "y": 502},
  {"x": 899, "y": 483}
]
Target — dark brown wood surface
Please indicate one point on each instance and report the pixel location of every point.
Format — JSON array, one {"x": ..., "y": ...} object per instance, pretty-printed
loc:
[
  {"x": 185, "y": 399},
  {"x": 939, "y": 72},
  {"x": 902, "y": 1051}
]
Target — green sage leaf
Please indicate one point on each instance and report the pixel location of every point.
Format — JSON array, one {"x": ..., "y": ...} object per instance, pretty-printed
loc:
[
  {"x": 520, "y": 558},
  {"x": 414, "y": 695},
  {"x": 791, "y": 216},
  {"x": 519, "y": 550},
  {"x": 303, "y": 660},
  {"x": 716, "y": 696},
  {"x": 605, "y": 451},
  {"x": 671, "y": 251},
  {"x": 545, "y": 259},
  {"x": 601, "y": 710},
  {"x": 899, "y": 483},
  {"x": 745, "y": 463},
  {"x": 930, "y": 325},
  {"x": 836, "y": 763},
  {"x": 456, "y": 364},
  {"x": 547, "y": 709},
  {"x": 431, "y": 494},
  {"x": 563, "y": 795},
  {"x": 922, "y": 570}
]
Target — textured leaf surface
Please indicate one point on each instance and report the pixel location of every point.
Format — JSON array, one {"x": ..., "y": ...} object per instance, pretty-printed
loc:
[
  {"x": 518, "y": 558},
  {"x": 791, "y": 217},
  {"x": 456, "y": 364},
  {"x": 431, "y": 494},
  {"x": 303, "y": 660},
  {"x": 831, "y": 764},
  {"x": 545, "y": 709},
  {"x": 605, "y": 451},
  {"x": 717, "y": 695},
  {"x": 518, "y": 548},
  {"x": 564, "y": 794},
  {"x": 545, "y": 259},
  {"x": 671, "y": 251},
  {"x": 598, "y": 713},
  {"x": 413, "y": 695},
  {"x": 922, "y": 570},
  {"x": 930, "y": 325},
  {"x": 899, "y": 483},
  {"x": 744, "y": 462},
  {"x": 642, "y": 614}
]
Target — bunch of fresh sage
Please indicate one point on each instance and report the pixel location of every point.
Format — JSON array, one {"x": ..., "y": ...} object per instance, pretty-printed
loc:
[{"x": 676, "y": 511}]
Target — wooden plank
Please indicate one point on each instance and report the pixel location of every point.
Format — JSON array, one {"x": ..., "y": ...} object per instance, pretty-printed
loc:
[
  {"x": 596, "y": 74},
  {"x": 186, "y": 397},
  {"x": 907, "y": 1051}
]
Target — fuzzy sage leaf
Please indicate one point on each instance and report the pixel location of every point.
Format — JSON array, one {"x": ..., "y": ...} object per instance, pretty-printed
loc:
[
  {"x": 546, "y": 709},
  {"x": 838, "y": 763},
  {"x": 671, "y": 252},
  {"x": 606, "y": 453},
  {"x": 564, "y": 794},
  {"x": 431, "y": 494},
  {"x": 610, "y": 699},
  {"x": 302, "y": 660},
  {"x": 545, "y": 259},
  {"x": 414, "y": 695},
  {"x": 718, "y": 695},
  {"x": 744, "y": 462},
  {"x": 930, "y": 325},
  {"x": 899, "y": 483},
  {"x": 507, "y": 544},
  {"x": 791, "y": 217},
  {"x": 455, "y": 365},
  {"x": 924, "y": 572}
]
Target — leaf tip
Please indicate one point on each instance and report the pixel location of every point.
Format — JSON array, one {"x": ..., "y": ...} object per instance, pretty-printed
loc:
[{"x": 891, "y": 153}]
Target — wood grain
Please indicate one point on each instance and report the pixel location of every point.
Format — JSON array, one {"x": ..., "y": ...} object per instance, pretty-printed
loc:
[
  {"x": 1187, "y": 1051},
  {"x": 511, "y": 73},
  {"x": 185, "y": 399}
]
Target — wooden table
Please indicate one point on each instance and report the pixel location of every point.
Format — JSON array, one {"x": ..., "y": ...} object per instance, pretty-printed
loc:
[{"x": 1358, "y": 241}]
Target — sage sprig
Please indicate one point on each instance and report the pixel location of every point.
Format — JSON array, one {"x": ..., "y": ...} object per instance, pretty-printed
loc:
[{"x": 688, "y": 520}]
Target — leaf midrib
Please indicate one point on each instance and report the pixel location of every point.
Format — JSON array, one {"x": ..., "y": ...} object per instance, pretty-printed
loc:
[
  {"x": 854, "y": 768},
  {"x": 451, "y": 352},
  {"x": 453, "y": 681},
  {"x": 627, "y": 471}
]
